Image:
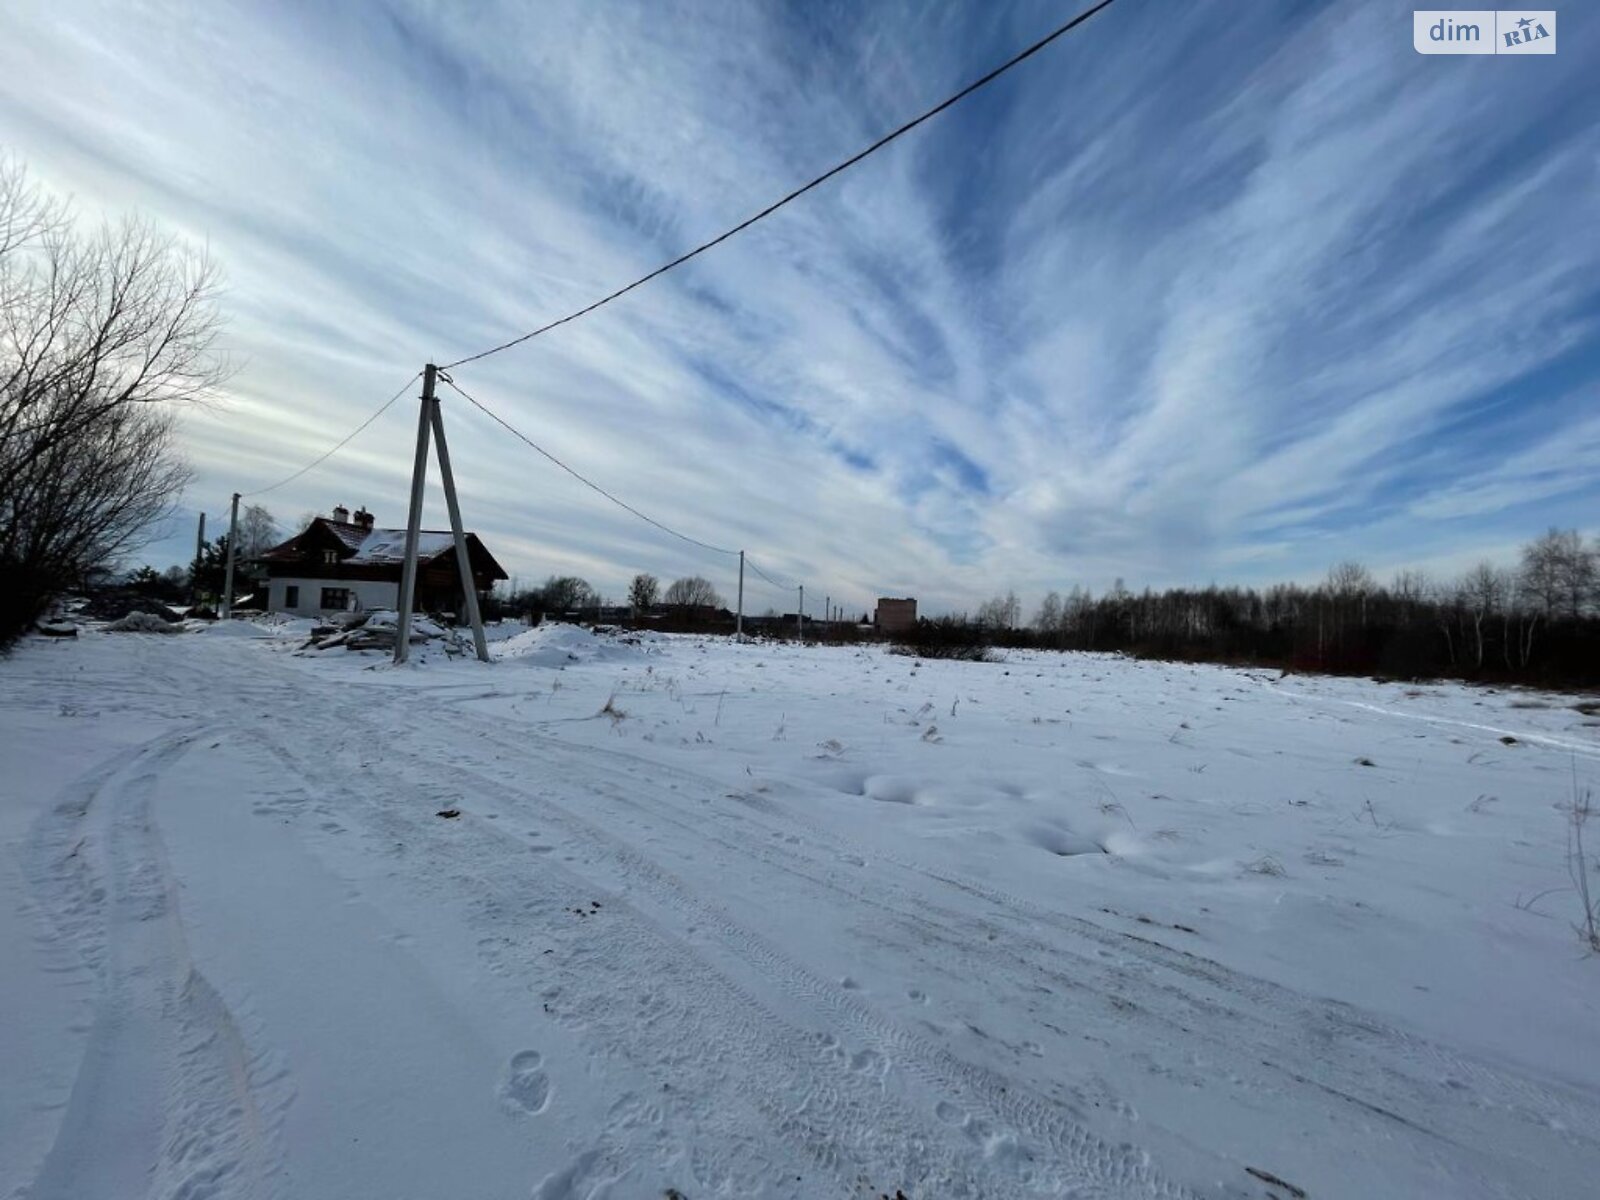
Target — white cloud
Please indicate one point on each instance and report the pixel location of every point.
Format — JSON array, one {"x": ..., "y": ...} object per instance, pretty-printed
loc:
[{"x": 1238, "y": 336}]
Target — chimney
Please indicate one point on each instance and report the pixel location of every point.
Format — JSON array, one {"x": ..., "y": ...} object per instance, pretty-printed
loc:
[
  {"x": 364, "y": 519},
  {"x": 341, "y": 514}
]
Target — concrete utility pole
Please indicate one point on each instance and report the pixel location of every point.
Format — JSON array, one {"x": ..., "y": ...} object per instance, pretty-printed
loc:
[
  {"x": 194, "y": 572},
  {"x": 800, "y": 617},
  {"x": 827, "y": 610},
  {"x": 419, "y": 476},
  {"x": 738, "y": 620},
  {"x": 431, "y": 420},
  {"x": 463, "y": 559},
  {"x": 233, "y": 546}
]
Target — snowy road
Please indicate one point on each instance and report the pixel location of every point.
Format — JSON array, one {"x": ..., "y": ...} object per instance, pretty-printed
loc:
[{"x": 786, "y": 923}]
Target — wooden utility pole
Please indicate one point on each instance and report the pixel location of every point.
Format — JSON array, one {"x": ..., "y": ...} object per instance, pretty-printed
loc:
[
  {"x": 233, "y": 546},
  {"x": 738, "y": 620},
  {"x": 429, "y": 420}
]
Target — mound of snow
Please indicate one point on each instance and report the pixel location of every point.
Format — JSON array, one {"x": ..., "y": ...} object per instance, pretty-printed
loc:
[
  {"x": 558, "y": 645},
  {"x": 143, "y": 622},
  {"x": 239, "y": 628}
]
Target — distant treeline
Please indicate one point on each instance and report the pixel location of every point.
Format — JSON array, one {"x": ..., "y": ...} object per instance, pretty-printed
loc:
[{"x": 1538, "y": 624}]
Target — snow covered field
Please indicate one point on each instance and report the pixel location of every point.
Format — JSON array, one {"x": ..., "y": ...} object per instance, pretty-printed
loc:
[{"x": 780, "y": 922}]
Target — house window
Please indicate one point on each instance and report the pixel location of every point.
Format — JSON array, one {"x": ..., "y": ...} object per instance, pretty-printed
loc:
[
  {"x": 330, "y": 557},
  {"x": 291, "y": 596},
  {"x": 336, "y": 598}
]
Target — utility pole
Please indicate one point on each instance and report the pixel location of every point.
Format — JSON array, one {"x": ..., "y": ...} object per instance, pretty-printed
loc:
[
  {"x": 800, "y": 617},
  {"x": 463, "y": 559},
  {"x": 429, "y": 419},
  {"x": 738, "y": 620},
  {"x": 233, "y": 545},
  {"x": 827, "y": 610},
  {"x": 419, "y": 476},
  {"x": 194, "y": 572}
]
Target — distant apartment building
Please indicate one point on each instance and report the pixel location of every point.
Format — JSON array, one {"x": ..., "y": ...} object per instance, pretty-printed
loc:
[{"x": 895, "y": 616}]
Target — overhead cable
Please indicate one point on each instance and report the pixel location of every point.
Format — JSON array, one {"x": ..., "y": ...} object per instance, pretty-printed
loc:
[
  {"x": 589, "y": 483},
  {"x": 883, "y": 141},
  {"x": 317, "y": 462}
]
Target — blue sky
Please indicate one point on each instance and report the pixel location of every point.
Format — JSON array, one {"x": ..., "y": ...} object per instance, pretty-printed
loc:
[{"x": 1203, "y": 292}]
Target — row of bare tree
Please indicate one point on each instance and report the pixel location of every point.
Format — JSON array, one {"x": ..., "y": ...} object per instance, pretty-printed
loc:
[
  {"x": 569, "y": 593},
  {"x": 1538, "y": 622}
]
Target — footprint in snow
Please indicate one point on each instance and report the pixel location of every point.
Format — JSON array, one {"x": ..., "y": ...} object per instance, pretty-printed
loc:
[
  {"x": 868, "y": 1062},
  {"x": 527, "y": 1087}
]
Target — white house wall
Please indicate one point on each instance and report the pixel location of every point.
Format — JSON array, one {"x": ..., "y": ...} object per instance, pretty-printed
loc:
[{"x": 365, "y": 594}]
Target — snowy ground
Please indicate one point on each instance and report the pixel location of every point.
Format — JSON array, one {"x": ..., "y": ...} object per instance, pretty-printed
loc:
[{"x": 784, "y": 922}]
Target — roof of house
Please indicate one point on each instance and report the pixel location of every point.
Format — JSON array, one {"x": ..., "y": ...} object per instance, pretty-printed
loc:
[
  {"x": 382, "y": 547},
  {"x": 351, "y": 535},
  {"x": 389, "y": 545}
]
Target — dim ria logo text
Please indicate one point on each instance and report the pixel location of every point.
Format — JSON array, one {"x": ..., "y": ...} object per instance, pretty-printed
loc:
[{"x": 1484, "y": 31}]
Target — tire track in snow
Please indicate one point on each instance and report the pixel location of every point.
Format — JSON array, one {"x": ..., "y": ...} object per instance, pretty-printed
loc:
[
  {"x": 1587, "y": 750},
  {"x": 169, "y": 1101}
]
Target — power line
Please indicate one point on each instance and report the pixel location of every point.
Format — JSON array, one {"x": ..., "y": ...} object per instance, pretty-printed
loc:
[
  {"x": 783, "y": 587},
  {"x": 317, "y": 462},
  {"x": 799, "y": 191},
  {"x": 589, "y": 483}
]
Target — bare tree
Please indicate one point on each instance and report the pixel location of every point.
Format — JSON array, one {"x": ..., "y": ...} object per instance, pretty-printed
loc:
[
  {"x": 1483, "y": 593},
  {"x": 1348, "y": 580},
  {"x": 258, "y": 531},
  {"x": 1411, "y": 588},
  {"x": 1541, "y": 570},
  {"x": 562, "y": 593},
  {"x": 101, "y": 336},
  {"x": 1350, "y": 584},
  {"x": 1561, "y": 572},
  {"x": 692, "y": 592},
  {"x": 1580, "y": 570},
  {"x": 1001, "y": 612},
  {"x": 642, "y": 592},
  {"x": 1048, "y": 619}
]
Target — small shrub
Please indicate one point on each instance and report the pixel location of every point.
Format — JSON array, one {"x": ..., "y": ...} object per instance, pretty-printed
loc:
[
  {"x": 947, "y": 637},
  {"x": 1266, "y": 865},
  {"x": 1578, "y": 813}
]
